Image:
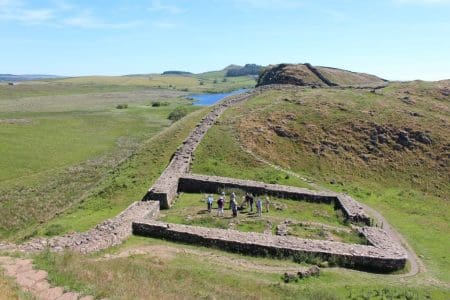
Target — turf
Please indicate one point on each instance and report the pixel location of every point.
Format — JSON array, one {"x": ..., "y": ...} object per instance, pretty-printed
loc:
[
  {"x": 60, "y": 151},
  {"x": 326, "y": 137},
  {"x": 306, "y": 218}
]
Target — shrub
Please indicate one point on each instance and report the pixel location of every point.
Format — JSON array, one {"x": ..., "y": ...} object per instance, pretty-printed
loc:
[
  {"x": 54, "y": 229},
  {"x": 159, "y": 103},
  {"x": 177, "y": 114},
  {"x": 201, "y": 83},
  {"x": 122, "y": 106}
]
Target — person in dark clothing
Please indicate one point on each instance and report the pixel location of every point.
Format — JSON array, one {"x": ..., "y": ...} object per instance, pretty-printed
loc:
[
  {"x": 250, "y": 200},
  {"x": 234, "y": 207}
]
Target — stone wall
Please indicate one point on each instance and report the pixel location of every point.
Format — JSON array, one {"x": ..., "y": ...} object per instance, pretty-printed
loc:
[
  {"x": 193, "y": 183},
  {"x": 109, "y": 233},
  {"x": 165, "y": 188},
  {"x": 364, "y": 257}
]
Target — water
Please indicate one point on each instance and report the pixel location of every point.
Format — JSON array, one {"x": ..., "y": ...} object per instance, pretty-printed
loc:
[{"x": 210, "y": 99}]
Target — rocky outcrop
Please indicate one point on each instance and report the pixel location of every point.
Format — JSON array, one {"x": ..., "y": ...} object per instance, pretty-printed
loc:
[
  {"x": 308, "y": 75},
  {"x": 289, "y": 74}
]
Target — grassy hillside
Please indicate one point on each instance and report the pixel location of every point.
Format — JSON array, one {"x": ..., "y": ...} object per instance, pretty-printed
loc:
[
  {"x": 387, "y": 148},
  {"x": 57, "y": 150}
]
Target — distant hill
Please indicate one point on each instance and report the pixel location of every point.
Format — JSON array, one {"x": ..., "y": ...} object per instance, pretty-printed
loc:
[
  {"x": 176, "y": 73},
  {"x": 26, "y": 77},
  {"x": 308, "y": 75},
  {"x": 248, "y": 69},
  {"x": 232, "y": 67}
]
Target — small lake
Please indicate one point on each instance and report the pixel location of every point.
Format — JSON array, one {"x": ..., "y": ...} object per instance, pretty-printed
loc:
[{"x": 210, "y": 99}]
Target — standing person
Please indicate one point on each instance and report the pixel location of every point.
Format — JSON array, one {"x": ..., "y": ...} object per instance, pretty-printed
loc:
[
  {"x": 234, "y": 207},
  {"x": 220, "y": 204},
  {"x": 247, "y": 199},
  {"x": 232, "y": 198},
  {"x": 267, "y": 203},
  {"x": 259, "y": 207},
  {"x": 209, "y": 202},
  {"x": 251, "y": 199}
]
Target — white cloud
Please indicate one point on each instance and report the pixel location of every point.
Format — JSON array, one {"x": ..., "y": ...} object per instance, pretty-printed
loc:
[
  {"x": 19, "y": 12},
  {"x": 164, "y": 24},
  {"x": 426, "y": 2},
  {"x": 88, "y": 21},
  {"x": 268, "y": 4},
  {"x": 61, "y": 13},
  {"x": 158, "y": 6}
]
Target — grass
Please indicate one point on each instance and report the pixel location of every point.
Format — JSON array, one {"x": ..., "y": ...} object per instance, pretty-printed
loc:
[
  {"x": 127, "y": 182},
  {"x": 330, "y": 137},
  {"x": 200, "y": 273},
  {"x": 190, "y": 209},
  {"x": 9, "y": 290},
  {"x": 219, "y": 154},
  {"x": 64, "y": 152}
]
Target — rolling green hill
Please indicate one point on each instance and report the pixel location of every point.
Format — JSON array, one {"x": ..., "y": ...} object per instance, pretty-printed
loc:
[{"x": 388, "y": 148}]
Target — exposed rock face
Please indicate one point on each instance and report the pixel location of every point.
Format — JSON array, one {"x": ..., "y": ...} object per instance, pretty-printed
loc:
[
  {"x": 289, "y": 74},
  {"x": 307, "y": 75}
]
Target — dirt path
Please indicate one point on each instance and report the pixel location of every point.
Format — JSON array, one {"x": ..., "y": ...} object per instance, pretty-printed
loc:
[
  {"x": 35, "y": 281},
  {"x": 168, "y": 252}
]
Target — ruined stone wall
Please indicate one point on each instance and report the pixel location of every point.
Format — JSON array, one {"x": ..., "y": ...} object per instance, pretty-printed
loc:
[
  {"x": 365, "y": 257},
  {"x": 109, "y": 233},
  {"x": 165, "y": 188},
  {"x": 193, "y": 183}
]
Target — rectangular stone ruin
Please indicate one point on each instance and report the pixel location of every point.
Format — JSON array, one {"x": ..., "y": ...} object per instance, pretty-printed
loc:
[
  {"x": 364, "y": 257},
  {"x": 192, "y": 183}
]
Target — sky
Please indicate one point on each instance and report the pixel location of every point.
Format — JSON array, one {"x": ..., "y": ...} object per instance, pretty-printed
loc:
[{"x": 394, "y": 39}]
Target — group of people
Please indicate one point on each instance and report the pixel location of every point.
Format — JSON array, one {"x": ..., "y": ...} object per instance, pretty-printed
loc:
[{"x": 248, "y": 202}]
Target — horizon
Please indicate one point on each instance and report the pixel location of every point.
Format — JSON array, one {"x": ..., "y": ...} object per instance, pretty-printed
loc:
[{"x": 393, "y": 39}]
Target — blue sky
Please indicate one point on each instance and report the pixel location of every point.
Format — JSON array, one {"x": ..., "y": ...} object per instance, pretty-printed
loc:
[{"x": 395, "y": 39}]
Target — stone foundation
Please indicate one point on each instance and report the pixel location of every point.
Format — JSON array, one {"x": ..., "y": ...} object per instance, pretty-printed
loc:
[
  {"x": 364, "y": 257},
  {"x": 192, "y": 183}
]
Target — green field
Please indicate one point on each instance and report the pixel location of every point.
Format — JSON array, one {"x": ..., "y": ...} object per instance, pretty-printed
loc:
[{"x": 63, "y": 141}]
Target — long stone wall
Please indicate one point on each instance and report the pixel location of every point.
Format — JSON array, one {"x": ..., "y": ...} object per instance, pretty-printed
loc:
[
  {"x": 165, "y": 188},
  {"x": 192, "y": 183},
  {"x": 365, "y": 257}
]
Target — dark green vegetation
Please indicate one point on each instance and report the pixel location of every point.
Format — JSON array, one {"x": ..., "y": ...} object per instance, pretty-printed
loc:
[
  {"x": 304, "y": 219},
  {"x": 248, "y": 69},
  {"x": 144, "y": 268},
  {"x": 387, "y": 148},
  {"x": 177, "y": 114}
]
